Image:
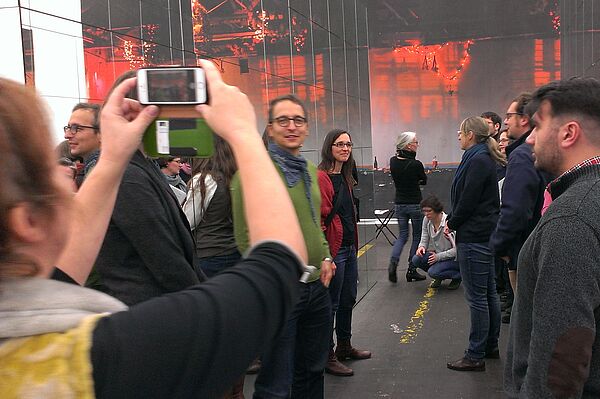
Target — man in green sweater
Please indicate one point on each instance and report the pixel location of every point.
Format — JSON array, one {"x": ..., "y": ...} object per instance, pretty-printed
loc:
[{"x": 297, "y": 360}]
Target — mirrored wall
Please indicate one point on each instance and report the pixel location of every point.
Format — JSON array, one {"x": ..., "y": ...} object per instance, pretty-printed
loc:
[{"x": 73, "y": 50}]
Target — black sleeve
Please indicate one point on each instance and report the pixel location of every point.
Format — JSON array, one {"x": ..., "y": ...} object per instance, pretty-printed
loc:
[
  {"x": 197, "y": 342},
  {"x": 59, "y": 275},
  {"x": 421, "y": 173}
]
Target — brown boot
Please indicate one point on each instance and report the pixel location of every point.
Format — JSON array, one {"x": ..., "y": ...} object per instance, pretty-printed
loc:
[
  {"x": 334, "y": 367},
  {"x": 345, "y": 351}
]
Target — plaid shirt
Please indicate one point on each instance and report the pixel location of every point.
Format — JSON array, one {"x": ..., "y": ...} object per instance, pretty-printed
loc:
[{"x": 588, "y": 162}]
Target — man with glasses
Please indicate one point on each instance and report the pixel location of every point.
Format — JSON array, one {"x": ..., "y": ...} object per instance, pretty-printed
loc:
[
  {"x": 83, "y": 134},
  {"x": 296, "y": 361},
  {"x": 522, "y": 192}
]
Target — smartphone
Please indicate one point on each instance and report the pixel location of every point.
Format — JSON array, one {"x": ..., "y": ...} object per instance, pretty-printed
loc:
[
  {"x": 186, "y": 137},
  {"x": 171, "y": 86}
]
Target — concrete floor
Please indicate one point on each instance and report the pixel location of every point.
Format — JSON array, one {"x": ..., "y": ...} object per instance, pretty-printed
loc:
[{"x": 412, "y": 335}]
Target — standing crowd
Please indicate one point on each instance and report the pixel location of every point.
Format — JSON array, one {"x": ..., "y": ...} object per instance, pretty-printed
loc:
[{"x": 189, "y": 278}]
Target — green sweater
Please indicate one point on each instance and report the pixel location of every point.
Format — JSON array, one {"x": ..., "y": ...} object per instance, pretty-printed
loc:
[{"x": 316, "y": 245}]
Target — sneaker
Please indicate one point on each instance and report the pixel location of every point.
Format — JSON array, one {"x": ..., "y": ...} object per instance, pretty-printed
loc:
[
  {"x": 436, "y": 283},
  {"x": 454, "y": 284}
]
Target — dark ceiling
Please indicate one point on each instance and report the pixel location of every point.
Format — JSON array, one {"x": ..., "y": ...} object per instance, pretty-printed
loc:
[{"x": 398, "y": 22}]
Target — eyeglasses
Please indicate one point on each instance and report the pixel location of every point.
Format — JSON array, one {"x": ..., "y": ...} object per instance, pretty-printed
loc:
[
  {"x": 284, "y": 121},
  {"x": 414, "y": 142},
  {"x": 179, "y": 161},
  {"x": 341, "y": 144},
  {"x": 76, "y": 128},
  {"x": 509, "y": 114}
]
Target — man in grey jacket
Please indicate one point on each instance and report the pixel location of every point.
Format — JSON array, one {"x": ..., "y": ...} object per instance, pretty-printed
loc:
[{"x": 554, "y": 344}]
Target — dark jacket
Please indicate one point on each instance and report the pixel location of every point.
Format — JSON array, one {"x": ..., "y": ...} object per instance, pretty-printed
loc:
[
  {"x": 408, "y": 175},
  {"x": 522, "y": 200},
  {"x": 475, "y": 208},
  {"x": 148, "y": 250}
]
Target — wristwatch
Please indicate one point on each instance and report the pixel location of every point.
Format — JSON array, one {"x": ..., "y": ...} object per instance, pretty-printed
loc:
[{"x": 328, "y": 259}]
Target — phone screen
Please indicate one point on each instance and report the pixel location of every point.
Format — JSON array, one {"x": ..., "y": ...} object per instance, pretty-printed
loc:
[{"x": 171, "y": 86}]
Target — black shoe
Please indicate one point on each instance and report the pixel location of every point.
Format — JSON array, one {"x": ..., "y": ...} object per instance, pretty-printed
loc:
[
  {"x": 392, "y": 272},
  {"x": 454, "y": 284},
  {"x": 495, "y": 354},
  {"x": 413, "y": 274},
  {"x": 436, "y": 283},
  {"x": 467, "y": 364}
]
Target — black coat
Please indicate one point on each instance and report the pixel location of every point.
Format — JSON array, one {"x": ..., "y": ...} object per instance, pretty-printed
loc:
[{"x": 148, "y": 249}]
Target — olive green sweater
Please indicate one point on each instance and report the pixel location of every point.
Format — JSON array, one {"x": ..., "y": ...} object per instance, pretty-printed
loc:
[{"x": 316, "y": 245}]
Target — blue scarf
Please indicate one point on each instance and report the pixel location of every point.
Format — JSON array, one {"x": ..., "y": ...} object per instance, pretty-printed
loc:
[
  {"x": 459, "y": 176},
  {"x": 294, "y": 168}
]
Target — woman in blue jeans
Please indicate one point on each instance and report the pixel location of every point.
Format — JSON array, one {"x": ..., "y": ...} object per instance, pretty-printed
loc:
[
  {"x": 436, "y": 253},
  {"x": 408, "y": 174},
  {"x": 338, "y": 218},
  {"x": 475, "y": 208},
  {"x": 208, "y": 209}
]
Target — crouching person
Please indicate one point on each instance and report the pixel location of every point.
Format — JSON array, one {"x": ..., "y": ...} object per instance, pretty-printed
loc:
[{"x": 436, "y": 253}]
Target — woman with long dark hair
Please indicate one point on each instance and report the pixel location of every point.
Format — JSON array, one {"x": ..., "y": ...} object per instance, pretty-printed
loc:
[
  {"x": 408, "y": 174},
  {"x": 475, "y": 209},
  {"x": 208, "y": 209},
  {"x": 338, "y": 218}
]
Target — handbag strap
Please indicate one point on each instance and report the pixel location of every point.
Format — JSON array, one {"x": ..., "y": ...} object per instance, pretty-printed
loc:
[{"x": 336, "y": 206}]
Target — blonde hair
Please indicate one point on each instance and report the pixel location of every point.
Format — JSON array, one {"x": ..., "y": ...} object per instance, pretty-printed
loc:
[{"x": 479, "y": 127}]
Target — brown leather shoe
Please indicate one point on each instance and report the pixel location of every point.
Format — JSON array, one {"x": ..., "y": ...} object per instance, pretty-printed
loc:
[
  {"x": 467, "y": 364},
  {"x": 334, "y": 366},
  {"x": 345, "y": 351}
]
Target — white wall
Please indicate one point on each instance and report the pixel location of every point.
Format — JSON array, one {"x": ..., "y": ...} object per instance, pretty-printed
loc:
[
  {"x": 11, "y": 66},
  {"x": 58, "y": 53}
]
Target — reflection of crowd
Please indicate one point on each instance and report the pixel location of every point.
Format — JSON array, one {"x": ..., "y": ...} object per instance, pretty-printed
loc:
[{"x": 190, "y": 289}]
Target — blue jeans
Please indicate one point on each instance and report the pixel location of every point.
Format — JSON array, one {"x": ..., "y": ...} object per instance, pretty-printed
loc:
[
  {"x": 216, "y": 264},
  {"x": 403, "y": 213},
  {"x": 342, "y": 291},
  {"x": 477, "y": 270},
  {"x": 297, "y": 359},
  {"x": 442, "y": 270}
]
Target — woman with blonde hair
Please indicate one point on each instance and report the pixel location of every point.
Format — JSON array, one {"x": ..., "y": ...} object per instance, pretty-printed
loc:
[
  {"x": 408, "y": 174},
  {"x": 475, "y": 208}
]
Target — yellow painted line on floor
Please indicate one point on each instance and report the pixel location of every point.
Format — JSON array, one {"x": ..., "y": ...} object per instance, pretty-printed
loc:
[
  {"x": 364, "y": 249},
  {"x": 416, "y": 321}
]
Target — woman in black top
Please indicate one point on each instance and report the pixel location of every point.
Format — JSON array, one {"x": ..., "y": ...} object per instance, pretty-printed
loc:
[
  {"x": 408, "y": 175},
  {"x": 176, "y": 346}
]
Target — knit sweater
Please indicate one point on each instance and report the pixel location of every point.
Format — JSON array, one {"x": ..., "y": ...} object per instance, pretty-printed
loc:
[
  {"x": 316, "y": 245},
  {"x": 554, "y": 343}
]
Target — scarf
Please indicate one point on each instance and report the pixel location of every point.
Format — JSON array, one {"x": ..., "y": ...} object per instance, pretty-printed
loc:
[
  {"x": 464, "y": 165},
  {"x": 406, "y": 154},
  {"x": 177, "y": 182},
  {"x": 33, "y": 306},
  {"x": 293, "y": 168}
]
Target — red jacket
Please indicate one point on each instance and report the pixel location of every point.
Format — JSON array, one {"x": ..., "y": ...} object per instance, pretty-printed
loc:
[{"x": 335, "y": 233}]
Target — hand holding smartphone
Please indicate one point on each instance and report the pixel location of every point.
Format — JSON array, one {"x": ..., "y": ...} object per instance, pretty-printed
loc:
[
  {"x": 178, "y": 130},
  {"x": 171, "y": 86}
]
